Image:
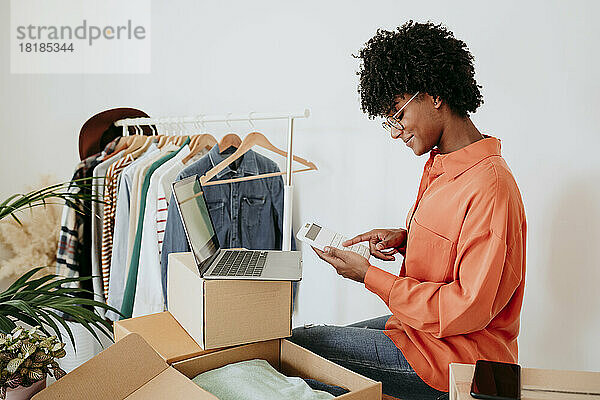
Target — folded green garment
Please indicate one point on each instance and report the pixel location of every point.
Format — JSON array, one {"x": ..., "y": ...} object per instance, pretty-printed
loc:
[{"x": 255, "y": 380}]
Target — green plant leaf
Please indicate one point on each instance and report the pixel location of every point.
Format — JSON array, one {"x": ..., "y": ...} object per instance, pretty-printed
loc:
[
  {"x": 21, "y": 281},
  {"x": 72, "y": 193},
  {"x": 14, "y": 381},
  {"x": 25, "y": 312},
  {"x": 14, "y": 364},
  {"x": 31, "y": 300},
  {"x": 64, "y": 324},
  {"x": 6, "y": 324},
  {"x": 41, "y": 357},
  {"x": 59, "y": 354},
  {"x": 58, "y": 373},
  {"x": 39, "y": 301},
  {"x": 28, "y": 349},
  {"x": 35, "y": 375},
  {"x": 48, "y": 319}
]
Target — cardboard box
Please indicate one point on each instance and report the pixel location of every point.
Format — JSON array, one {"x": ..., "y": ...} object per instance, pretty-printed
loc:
[
  {"x": 222, "y": 313},
  {"x": 131, "y": 370},
  {"x": 285, "y": 356},
  {"x": 291, "y": 360},
  {"x": 538, "y": 384},
  {"x": 163, "y": 333}
]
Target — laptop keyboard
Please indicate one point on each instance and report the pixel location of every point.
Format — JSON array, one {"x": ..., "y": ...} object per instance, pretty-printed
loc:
[{"x": 241, "y": 263}]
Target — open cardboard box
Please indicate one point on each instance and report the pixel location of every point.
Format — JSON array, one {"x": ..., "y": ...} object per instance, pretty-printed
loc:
[
  {"x": 289, "y": 359},
  {"x": 163, "y": 333},
  {"x": 130, "y": 369},
  {"x": 221, "y": 313}
]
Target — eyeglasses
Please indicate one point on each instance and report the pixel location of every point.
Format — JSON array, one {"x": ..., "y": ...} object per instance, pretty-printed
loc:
[{"x": 392, "y": 123}]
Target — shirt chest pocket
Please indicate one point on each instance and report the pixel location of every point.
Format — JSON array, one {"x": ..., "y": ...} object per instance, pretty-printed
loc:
[
  {"x": 252, "y": 209},
  {"x": 429, "y": 256}
]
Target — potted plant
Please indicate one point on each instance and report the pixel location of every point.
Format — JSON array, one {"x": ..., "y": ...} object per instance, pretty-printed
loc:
[{"x": 27, "y": 356}]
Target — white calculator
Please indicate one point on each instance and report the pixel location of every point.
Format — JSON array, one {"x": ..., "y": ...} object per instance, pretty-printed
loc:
[{"x": 320, "y": 238}]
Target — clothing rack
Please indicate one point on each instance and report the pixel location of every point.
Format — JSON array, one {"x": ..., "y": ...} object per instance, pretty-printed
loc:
[{"x": 227, "y": 118}]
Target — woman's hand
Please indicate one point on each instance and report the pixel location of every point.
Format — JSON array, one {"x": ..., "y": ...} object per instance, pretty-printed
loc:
[
  {"x": 347, "y": 263},
  {"x": 382, "y": 239}
]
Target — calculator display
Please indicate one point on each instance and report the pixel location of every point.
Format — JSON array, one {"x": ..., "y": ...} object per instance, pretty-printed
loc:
[{"x": 313, "y": 232}]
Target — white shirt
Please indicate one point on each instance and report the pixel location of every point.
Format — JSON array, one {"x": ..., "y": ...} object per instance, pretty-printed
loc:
[
  {"x": 149, "y": 297},
  {"x": 135, "y": 197}
]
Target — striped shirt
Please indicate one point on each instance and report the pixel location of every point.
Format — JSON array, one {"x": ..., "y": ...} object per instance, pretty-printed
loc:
[
  {"x": 164, "y": 194},
  {"x": 108, "y": 223}
]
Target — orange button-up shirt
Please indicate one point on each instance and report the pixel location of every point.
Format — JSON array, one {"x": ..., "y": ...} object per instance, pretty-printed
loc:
[{"x": 459, "y": 292}]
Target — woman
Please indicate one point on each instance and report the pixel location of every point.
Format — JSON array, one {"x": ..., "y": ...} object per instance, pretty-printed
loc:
[{"x": 459, "y": 292}]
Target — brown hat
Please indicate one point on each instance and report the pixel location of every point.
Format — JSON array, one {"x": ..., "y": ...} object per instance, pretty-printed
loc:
[{"x": 100, "y": 130}]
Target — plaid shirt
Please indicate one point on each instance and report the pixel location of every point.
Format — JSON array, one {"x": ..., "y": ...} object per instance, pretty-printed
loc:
[{"x": 74, "y": 244}]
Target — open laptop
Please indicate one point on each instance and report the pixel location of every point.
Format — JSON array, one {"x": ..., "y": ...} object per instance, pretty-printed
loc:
[{"x": 216, "y": 263}]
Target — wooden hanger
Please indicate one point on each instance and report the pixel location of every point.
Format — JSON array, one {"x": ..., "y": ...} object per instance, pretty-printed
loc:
[
  {"x": 133, "y": 142},
  {"x": 120, "y": 147},
  {"x": 175, "y": 140},
  {"x": 162, "y": 140},
  {"x": 124, "y": 142},
  {"x": 228, "y": 141},
  {"x": 252, "y": 139},
  {"x": 198, "y": 143},
  {"x": 146, "y": 142},
  {"x": 193, "y": 140},
  {"x": 181, "y": 140}
]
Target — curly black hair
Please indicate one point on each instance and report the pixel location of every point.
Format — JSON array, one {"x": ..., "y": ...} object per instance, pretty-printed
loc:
[{"x": 417, "y": 57}]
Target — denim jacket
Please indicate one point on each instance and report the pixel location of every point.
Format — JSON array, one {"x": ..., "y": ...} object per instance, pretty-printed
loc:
[{"x": 245, "y": 214}]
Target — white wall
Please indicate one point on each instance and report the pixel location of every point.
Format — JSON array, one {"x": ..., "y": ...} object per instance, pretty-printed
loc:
[{"x": 536, "y": 61}]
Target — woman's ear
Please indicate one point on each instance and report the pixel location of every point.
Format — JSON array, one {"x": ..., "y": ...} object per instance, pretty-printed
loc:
[{"x": 437, "y": 102}]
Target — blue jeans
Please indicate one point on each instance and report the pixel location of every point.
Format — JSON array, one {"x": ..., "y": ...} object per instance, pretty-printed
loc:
[{"x": 364, "y": 348}]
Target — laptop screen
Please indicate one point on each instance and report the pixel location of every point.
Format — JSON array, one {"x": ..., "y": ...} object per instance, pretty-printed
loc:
[{"x": 196, "y": 220}]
